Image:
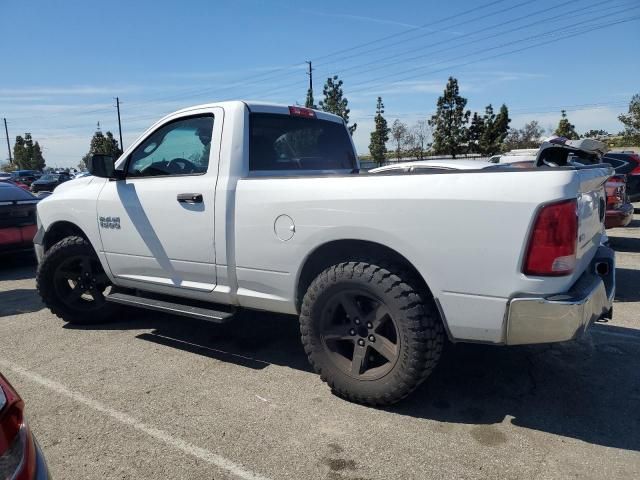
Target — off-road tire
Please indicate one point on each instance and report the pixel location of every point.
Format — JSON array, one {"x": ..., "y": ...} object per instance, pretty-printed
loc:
[
  {"x": 58, "y": 253},
  {"x": 416, "y": 318}
]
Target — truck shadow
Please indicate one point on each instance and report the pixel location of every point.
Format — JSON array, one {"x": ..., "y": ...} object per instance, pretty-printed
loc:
[
  {"x": 625, "y": 244},
  {"x": 587, "y": 390},
  {"x": 627, "y": 285}
]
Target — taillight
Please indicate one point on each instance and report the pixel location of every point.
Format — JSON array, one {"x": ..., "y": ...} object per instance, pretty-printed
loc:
[
  {"x": 552, "y": 244},
  {"x": 17, "y": 454},
  {"x": 301, "y": 112},
  {"x": 616, "y": 188},
  {"x": 636, "y": 170}
]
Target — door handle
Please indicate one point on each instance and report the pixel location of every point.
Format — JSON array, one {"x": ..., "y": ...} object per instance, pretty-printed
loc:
[{"x": 190, "y": 198}]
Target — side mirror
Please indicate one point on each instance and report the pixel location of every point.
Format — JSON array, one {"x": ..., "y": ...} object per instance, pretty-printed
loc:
[{"x": 102, "y": 166}]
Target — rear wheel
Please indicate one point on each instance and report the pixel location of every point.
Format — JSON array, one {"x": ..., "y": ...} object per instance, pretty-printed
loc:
[
  {"x": 72, "y": 283},
  {"x": 372, "y": 337}
]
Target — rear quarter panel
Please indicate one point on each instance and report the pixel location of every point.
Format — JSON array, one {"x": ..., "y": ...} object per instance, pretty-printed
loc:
[{"x": 464, "y": 232}]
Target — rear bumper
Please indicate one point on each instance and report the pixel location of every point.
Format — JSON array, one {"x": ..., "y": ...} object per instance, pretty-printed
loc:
[
  {"x": 565, "y": 316},
  {"x": 619, "y": 218},
  {"x": 16, "y": 238}
]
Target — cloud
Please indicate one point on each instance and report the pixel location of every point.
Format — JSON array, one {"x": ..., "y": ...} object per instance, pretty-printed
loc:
[{"x": 362, "y": 18}]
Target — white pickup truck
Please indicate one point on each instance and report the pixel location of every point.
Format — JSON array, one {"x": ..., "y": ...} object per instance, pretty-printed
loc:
[{"x": 239, "y": 206}]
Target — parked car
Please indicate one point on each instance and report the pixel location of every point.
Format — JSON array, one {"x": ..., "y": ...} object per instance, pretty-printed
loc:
[
  {"x": 17, "y": 218},
  {"x": 15, "y": 182},
  {"x": 628, "y": 164},
  {"x": 270, "y": 213},
  {"x": 20, "y": 455},
  {"x": 48, "y": 182},
  {"x": 619, "y": 209},
  {"x": 25, "y": 176},
  {"x": 517, "y": 155}
]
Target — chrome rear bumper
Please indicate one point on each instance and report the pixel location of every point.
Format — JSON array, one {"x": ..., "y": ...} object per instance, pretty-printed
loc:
[{"x": 566, "y": 316}]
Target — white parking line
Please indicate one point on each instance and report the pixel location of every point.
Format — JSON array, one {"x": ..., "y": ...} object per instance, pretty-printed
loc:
[{"x": 177, "y": 443}]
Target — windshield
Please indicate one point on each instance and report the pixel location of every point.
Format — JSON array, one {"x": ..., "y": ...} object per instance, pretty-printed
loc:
[{"x": 49, "y": 178}]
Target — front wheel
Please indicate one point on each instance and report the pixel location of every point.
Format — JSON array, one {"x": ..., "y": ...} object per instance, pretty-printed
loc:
[
  {"x": 72, "y": 283},
  {"x": 368, "y": 333}
]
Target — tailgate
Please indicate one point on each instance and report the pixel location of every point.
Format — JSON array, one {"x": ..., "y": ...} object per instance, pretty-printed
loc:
[{"x": 591, "y": 212}]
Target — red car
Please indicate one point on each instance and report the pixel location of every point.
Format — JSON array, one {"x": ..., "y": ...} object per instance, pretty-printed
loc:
[
  {"x": 619, "y": 210},
  {"x": 17, "y": 218},
  {"x": 20, "y": 455},
  {"x": 23, "y": 186}
]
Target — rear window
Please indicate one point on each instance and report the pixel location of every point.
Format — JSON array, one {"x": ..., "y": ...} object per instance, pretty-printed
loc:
[
  {"x": 281, "y": 142},
  {"x": 9, "y": 193}
]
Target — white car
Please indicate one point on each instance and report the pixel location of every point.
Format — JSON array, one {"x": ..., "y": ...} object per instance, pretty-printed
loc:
[{"x": 245, "y": 205}]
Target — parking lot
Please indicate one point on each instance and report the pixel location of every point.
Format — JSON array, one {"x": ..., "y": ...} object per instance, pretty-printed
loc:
[{"x": 153, "y": 396}]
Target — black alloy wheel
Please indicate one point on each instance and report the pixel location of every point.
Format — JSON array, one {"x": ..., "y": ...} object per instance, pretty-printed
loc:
[{"x": 360, "y": 335}]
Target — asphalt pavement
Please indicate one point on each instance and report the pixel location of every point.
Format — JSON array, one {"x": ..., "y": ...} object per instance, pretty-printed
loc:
[{"x": 152, "y": 396}]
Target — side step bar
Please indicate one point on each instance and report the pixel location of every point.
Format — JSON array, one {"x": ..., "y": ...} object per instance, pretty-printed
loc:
[{"x": 170, "y": 307}]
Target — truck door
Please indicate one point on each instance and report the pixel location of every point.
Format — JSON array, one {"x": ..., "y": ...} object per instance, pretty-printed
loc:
[{"x": 157, "y": 224}]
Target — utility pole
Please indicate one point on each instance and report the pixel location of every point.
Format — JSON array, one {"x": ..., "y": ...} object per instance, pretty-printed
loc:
[
  {"x": 6, "y": 131},
  {"x": 309, "y": 102},
  {"x": 310, "y": 73},
  {"x": 119, "y": 124}
]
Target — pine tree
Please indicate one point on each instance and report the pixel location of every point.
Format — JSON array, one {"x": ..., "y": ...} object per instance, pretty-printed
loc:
[
  {"x": 496, "y": 130},
  {"x": 102, "y": 144},
  {"x": 476, "y": 131},
  {"x": 27, "y": 154},
  {"x": 380, "y": 136},
  {"x": 19, "y": 153},
  {"x": 309, "y": 101},
  {"x": 335, "y": 102},
  {"x": 450, "y": 120},
  {"x": 565, "y": 128},
  {"x": 37, "y": 160}
]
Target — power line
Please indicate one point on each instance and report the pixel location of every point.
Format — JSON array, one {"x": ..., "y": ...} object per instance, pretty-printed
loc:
[
  {"x": 421, "y": 27},
  {"x": 586, "y": 29}
]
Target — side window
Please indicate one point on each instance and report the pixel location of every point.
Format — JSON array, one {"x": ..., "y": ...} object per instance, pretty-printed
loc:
[
  {"x": 282, "y": 142},
  {"x": 178, "y": 148}
]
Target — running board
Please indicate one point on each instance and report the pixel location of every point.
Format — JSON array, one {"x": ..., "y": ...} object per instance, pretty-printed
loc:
[{"x": 201, "y": 313}]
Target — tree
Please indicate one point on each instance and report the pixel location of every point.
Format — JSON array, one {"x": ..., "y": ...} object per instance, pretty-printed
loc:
[
  {"x": 101, "y": 144},
  {"x": 529, "y": 136},
  {"x": 631, "y": 121},
  {"x": 27, "y": 154},
  {"x": 398, "y": 133},
  {"x": 37, "y": 160},
  {"x": 335, "y": 102},
  {"x": 380, "y": 136},
  {"x": 566, "y": 128},
  {"x": 597, "y": 134},
  {"x": 476, "y": 131},
  {"x": 309, "y": 101},
  {"x": 496, "y": 128},
  {"x": 450, "y": 120},
  {"x": 421, "y": 133}
]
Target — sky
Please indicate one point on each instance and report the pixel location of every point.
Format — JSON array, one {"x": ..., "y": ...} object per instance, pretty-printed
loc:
[{"x": 63, "y": 62}]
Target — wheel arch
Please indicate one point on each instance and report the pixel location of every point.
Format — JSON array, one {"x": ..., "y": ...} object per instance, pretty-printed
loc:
[
  {"x": 59, "y": 230},
  {"x": 337, "y": 251}
]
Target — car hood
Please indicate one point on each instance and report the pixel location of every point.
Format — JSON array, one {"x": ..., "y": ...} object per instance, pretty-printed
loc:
[{"x": 74, "y": 183}]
